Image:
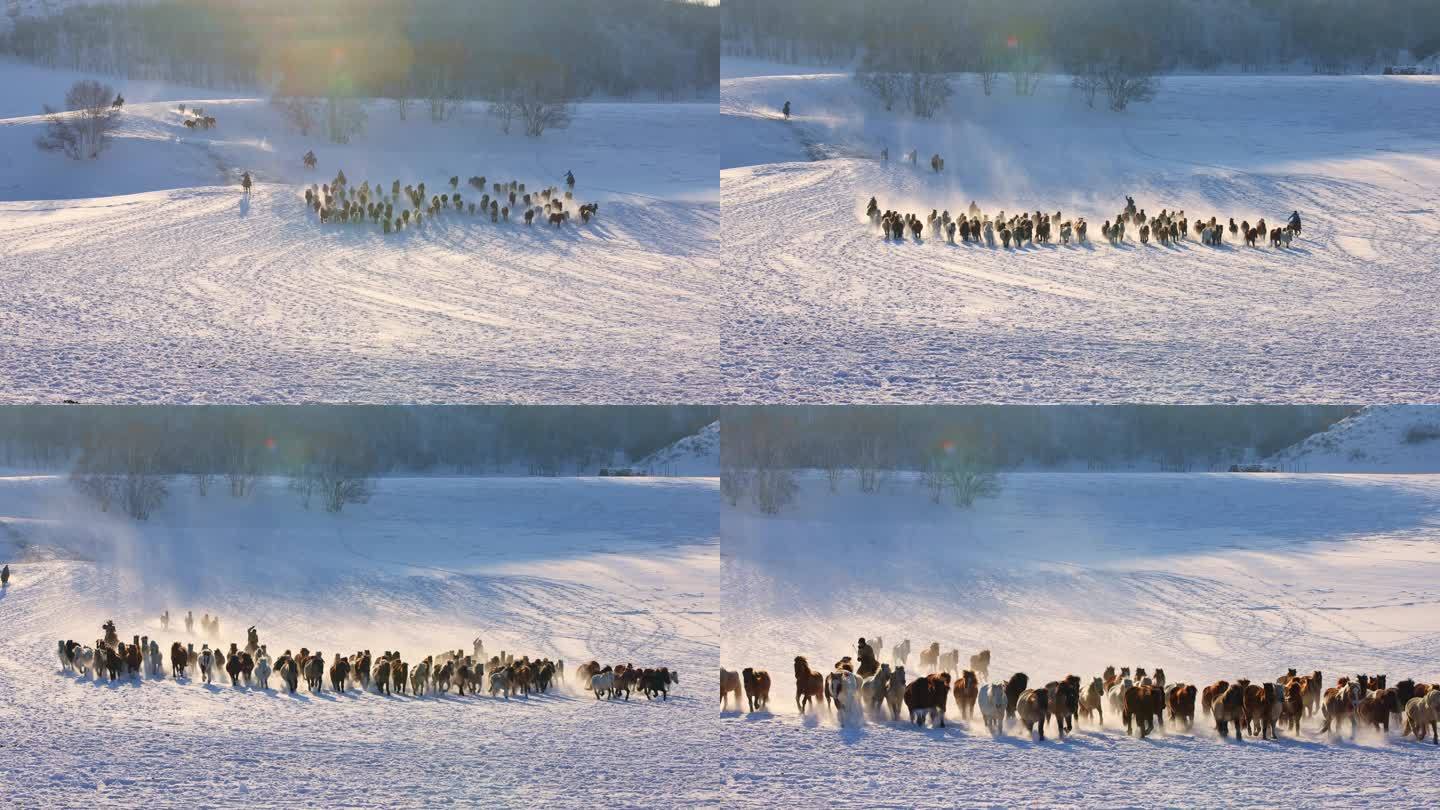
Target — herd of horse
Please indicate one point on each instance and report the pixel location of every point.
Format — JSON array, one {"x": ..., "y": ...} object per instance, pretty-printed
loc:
[
  {"x": 407, "y": 206},
  {"x": 1027, "y": 229},
  {"x": 252, "y": 666},
  {"x": 860, "y": 685}
]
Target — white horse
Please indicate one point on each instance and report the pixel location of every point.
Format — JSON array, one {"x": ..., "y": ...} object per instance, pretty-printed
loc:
[
  {"x": 602, "y": 683},
  {"x": 1115, "y": 697},
  {"x": 155, "y": 662},
  {"x": 419, "y": 677},
  {"x": 845, "y": 693},
  {"x": 901, "y": 653},
  {"x": 207, "y": 663},
  {"x": 500, "y": 682},
  {"x": 992, "y": 707},
  {"x": 875, "y": 690},
  {"x": 84, "y": 661},
  {"x": 262, "y": 671}
]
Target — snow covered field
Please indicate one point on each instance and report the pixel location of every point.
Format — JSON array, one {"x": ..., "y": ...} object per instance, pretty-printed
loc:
[
  {"x": 1379, "y": 438},
  {"x": 145, "y": 277},
  {"x": 824, "y": 310},
  {"x": 618, "y": 569},
  {"x": 1205, "y": 575}
]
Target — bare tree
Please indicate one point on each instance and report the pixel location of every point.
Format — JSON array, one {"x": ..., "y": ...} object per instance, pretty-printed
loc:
[
  {"x": 734, "y": 483},
  {"x": 299, "y": 113},
  {"x": 928, "y": 93},
  {"x": 344, "y": 118},
  {"x": 1025, "y": 71},
  {"x": 886, "y": 85},
  {"x": 773, "y": 489},
  {"x": 540, "y": 108},
  {"x": 143, "y": 488},
  {"x": 335, "y": 472},
  {"x": 872, "y": 464},
  {"x": 970, "y": 483},
  {"x": 1086, "y": 79},
  {"x": 82, "y": 130},
  {"x": 240, "y": 459},
  {"x": 126, "y": 472},
  {"x": 340, "y": 488},
  {"x": 1128, "y": 79},
  {"x": 832, "y": 460},
  {"x": 503, "y": 112}
]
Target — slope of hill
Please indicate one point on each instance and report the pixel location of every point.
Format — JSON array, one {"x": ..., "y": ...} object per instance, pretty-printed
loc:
[
  {"x": 619, "y": 570},
  {"x": 825, "y": 310},
  {"x": 691, "y": 456},
  {"x": 1380, "y": 438},
  {"x": 146, "y": 276},
  {"x": 1206, "y": 576}
]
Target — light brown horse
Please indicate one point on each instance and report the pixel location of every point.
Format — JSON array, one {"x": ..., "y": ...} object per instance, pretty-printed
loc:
[
  {"x": 729, "y": 683},
  {"x": 1210, "y": 693}
]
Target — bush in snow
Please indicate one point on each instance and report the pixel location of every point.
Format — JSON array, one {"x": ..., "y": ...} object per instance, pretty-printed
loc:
[
  {"x": 128, "y": 475},
  {"x": 963, "y": 477},
  {"x": 887, "y": 86},
  {"x": 336, "y": 472},
  {"x": 1419, "y": 434},
  {"x": 535, "y": 106},
  {"x": 773, "y": 489},
  {"x": 734, "y": 483},
  {"x": 299, "y": 113},
  {"x": 82, "y": 130}
]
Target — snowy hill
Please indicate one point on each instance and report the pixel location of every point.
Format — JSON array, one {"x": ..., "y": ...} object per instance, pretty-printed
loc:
[
  {"x": 825, "y": 310},
  {"x": 145, "y": 276},
  {"x": 1204, "y": 575},
  {"x": 1380, "y": 438},
  {"x": 571, "y": 568},
  {"x": 693, "y": 455}
]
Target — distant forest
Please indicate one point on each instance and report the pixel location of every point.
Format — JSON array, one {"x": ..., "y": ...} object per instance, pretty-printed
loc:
[
  {"x": 452, "y": 49},
  {"x": 275, "y": 440},
  {"x": 1328, "y": 36},
  {"x": 1178, "y": 438}
]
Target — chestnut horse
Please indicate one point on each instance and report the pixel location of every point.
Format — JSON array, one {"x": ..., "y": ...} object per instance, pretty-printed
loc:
[
  {"x": 967, "y": 690},
  {"x": 809, "y": 685}
]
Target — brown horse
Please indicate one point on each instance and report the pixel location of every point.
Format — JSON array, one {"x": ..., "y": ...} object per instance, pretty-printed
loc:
[
  {"x": 1292, "y": 704},
  {"x": 1093, "y": 699},
  {"x": 928, "y": 696},
  {"x": 1032, "y": 706},
  {"x": 1375, "y": 709},
  {"x": 1210, "y": 693},
  {"x": 809, "y": 684},
  {"x": 1340, "y": 703},
  {"x": 757, "y": 687},
  {"x": 1139, "y": 710},
  {"x": 980, "y": 664},
  {"x": 1228, "y": 706},
  {"x": 930, "y": 657},
  {"x": 1313, "y": 692},
  {"x": 1260, "y": 707},
  {"x": 1180, "y": 699},
  {"x": 967, "y": 689},
  {"x": 1063, "y": 698}
]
